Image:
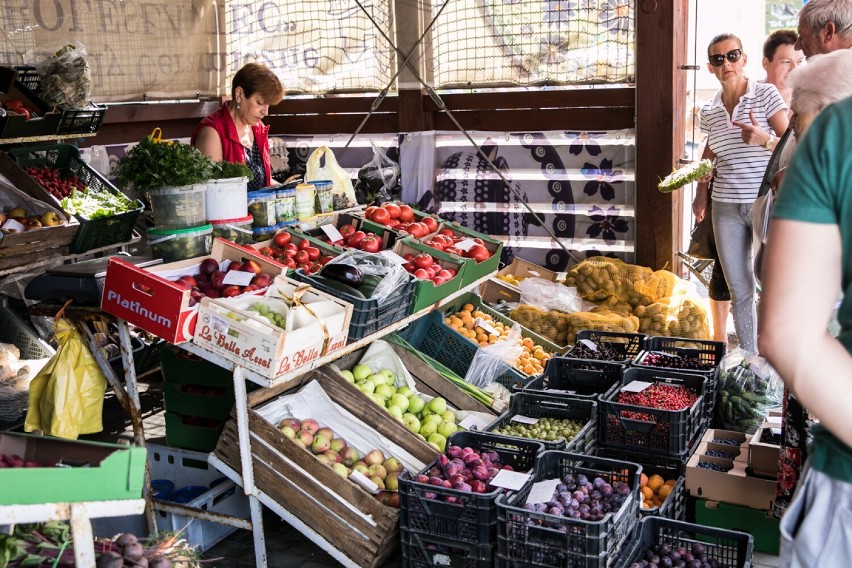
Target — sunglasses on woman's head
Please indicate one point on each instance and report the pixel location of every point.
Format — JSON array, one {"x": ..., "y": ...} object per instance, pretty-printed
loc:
[{"x": 733, "y": 56}]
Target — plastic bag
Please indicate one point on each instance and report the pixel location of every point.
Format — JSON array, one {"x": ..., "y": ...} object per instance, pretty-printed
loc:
[
  {"x": 492, "y": 361},
  {"x": 379, "y": 179},
  {"x": 548, "y": 295},
  {"x": 64, "y": 72},
  {"x": 392, "y": 274},
  {"x": 322, "y": 165},
  {"x": 748, "y": 388},
  {"x": 67, "y": 396}
]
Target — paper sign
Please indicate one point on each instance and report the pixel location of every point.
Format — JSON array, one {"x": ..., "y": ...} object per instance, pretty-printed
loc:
[
  {"x": 472, "y": 422},
  {"x": 489, "y": 329},
  {"x": 542, "y": 491},
  {"x": 219, "y": 325},
  {"x": 331, "y": 232},
  {"x": 524, "y": 419},
  {"x": 775, "y": 431},
  {"x": 465, "y": 244},
  {"x": 362, "y": 480},
  {"x": 636, "y": 386},
  {"x": 13, "y": 225},
  {"x": 560, "y": 391},
  {"x": 238, "y": 277},
  {"x": 512, "y": 480},
  {"x": 590, "y": 344},
  {"x": 774, "y": 420},
  {"x": 392, "y": 256}
]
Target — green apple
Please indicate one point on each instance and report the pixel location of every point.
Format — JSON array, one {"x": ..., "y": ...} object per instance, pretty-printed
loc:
[
  {"x": 415, "y": 403},
  {"x": 447, "y": 428},
  {"x": 396, "y": 412},
  {"x": 421, "y": 436},
  {"x": 405, "y": 390},
  {"x": 437, "y": 405},
  {"x": 390, "y": 375},
  {"x": 428, "y": 428},
  {"x": 361, "y": 372},
  {"x": 449, "y": 415},
  {"x": 385, "y": 391},
  {"x": 434, "y": 419},
  {"x": 438, "y": 440},
  {"x": 436, "y": 446},
  {"x": 378, "y": 378},
  {"x": 377, "y": 399},
  {"x": 367, "y": 387},
  {"x": 411, "y": 422},
  {"x": 400, "y": 400},
  {"x": 347, "y": 374}
]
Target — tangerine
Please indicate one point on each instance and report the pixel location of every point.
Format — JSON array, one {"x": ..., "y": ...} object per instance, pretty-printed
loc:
[{"x": 655, "y": 482}]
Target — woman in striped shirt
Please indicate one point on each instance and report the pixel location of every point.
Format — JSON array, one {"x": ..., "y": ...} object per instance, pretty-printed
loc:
[{"x": 740, "y": 121}]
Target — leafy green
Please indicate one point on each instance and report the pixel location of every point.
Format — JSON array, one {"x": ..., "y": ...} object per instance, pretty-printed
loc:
[
  {"x": 227, "y": 170},
  {"x": 96, "y": 205},
  {"x": 152, "y": 164}
]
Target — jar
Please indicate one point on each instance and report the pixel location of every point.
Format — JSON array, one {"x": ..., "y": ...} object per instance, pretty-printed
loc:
[
  {"x": 235, "y": 230},
  {"x": 285, "y": 205},
  {"x": 325, "y": 197},
  {"x": 305, "y": 198},
  {"x": 261, "y": 207}
]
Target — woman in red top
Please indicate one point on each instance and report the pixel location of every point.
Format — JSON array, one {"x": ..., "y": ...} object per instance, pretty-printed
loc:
[{"x": 235, "y": 132}]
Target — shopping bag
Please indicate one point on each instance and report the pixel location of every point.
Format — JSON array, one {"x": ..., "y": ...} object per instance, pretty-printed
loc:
[
  {"x": 322, "y": 165},
  {"x": 67, "y": 396},
  {"x": 702, "y": 241}
]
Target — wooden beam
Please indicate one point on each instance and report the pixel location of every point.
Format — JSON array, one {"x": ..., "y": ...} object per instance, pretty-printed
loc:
[
  {"x": 661, "y": 45},
  {"x": 412, "y": 116},
  {"x": 576, "y": 98},
  {"x": 332, "y": 124},
  {"x": 532, "y": 119}
]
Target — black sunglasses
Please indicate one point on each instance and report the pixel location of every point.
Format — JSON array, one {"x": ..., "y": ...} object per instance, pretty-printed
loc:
[{"x": 733, "y": 56}]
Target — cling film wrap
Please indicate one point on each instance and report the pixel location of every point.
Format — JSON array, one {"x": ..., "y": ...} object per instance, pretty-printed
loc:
[
  {"x": 748, "y": 388},
  {"x": 683, "y": 315},
  {"x": 490, "y": 362}
]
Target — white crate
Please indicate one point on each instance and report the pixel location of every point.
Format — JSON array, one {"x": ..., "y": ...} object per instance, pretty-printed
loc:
[{"x": 186, "y": 467}]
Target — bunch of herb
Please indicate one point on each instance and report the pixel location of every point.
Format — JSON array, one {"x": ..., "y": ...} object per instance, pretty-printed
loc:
[
  {"x": 228, "y": 170},
  {"x": 154, "y": 164}
]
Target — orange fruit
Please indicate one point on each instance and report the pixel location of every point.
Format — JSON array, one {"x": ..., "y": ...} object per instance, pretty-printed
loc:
[
  {"x": 664, "y": 492},
  {"x": 671, "y": 482},
  {"x": 647, "y": 493},
  {"x": 467, "y": 308},
  {"x": 655, "y": 482},
  {"x": 647, "y": 505}
]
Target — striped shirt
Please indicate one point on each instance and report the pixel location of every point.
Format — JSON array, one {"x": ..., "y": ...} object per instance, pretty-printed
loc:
[{"x": 740, "y": 166}]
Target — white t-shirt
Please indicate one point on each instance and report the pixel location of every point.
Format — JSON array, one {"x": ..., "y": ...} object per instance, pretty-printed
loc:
[{"x": 740, "y": 166}]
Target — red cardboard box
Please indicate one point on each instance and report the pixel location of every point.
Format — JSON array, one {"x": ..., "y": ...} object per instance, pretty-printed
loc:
[{"x": 146, "y": 299}]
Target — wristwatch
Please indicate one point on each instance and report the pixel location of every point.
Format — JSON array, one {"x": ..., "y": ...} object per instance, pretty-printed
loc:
[{"x": 769, "y": 144}]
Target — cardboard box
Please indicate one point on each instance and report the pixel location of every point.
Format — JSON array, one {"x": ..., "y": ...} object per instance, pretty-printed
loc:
[
  {"x": 494, "y": 291},
  {"x": 521, "y": 269},
  {"x": 255, "y": 343},
  {"x": 763, "y": 457},
  {"x": 715, "y": 433},
  {"x": 733, "y": 486},
  {"x": 147, "y": 298},
  {"x": 96, "y": 472}
]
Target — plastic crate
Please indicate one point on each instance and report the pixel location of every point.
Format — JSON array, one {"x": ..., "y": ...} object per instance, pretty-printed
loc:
[
  {"x": 194, "y": 387},
  {"x": 193, "y": 432},
  {"x": 370, "y": 315},
  {"x": 427, "y": 551},
  {"x": 576, "y": 378},
  {"x": 535, "y": 405},
  {"x": 186, "y": 468},
  {"x": 92, "y": 233},
  {"x": 473, "y": 519},
  {"x": 729, "y": 548},
  {"x": 674, "y": 506},
  {"x": 669, "y": 433},
  {"x": 533, "y": 539},
  {"x": 626, "y": 345}
]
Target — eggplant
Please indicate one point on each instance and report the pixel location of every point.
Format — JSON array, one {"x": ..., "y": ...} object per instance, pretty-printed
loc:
[{"x": 345, "y": 273}]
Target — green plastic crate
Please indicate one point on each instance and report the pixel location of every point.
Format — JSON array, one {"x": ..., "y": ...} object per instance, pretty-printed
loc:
[
  {"x": 476, "y": 270},
  {"x": 195, "y": 387},
  {"x": 193, "y": 432},
  {"x": 425, "y": 291},
  {"x": 759, "y": 523}
]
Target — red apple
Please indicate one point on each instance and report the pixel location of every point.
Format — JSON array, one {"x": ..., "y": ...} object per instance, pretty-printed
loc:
[
  {"x": 262, "y": 280},
  {"x": 235, "y": 266},
  {"x": 189, "y": 281},
  {"x": 252, "y": 266},
  {"x": 208, "y": 266},
  {"x": 230, "y": 291},
  {"x": 216, "y": 280}
]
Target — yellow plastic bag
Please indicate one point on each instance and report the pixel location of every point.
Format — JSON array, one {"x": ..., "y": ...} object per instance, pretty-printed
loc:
[
  {"x": 67, "y": 396},
  {"x": 322, "y": 165}
]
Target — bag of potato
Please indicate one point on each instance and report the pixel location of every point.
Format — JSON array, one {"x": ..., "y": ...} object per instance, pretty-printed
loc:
[
  {"x": 659, "y": 284},
  {"x": 551, "y": 324},
  {"x": 613, "y": 304},
  {"x": 602, "y": 320},
  {"x": 683, "y": 315},
  {"x": 600, "y": 277}
]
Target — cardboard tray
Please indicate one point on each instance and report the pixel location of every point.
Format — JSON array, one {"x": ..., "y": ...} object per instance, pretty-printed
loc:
[
  {"x": 763, "y": 457},
  {"x": 733, "y": 486},
  {"x": 521, "y": 268}
]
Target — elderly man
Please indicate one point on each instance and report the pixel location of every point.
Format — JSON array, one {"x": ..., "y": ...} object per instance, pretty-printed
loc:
[{"x": 825, "y": 26}]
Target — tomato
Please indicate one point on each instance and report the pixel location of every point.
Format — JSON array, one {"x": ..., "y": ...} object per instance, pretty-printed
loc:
[
  {"x": 303, "y": 244},
  {"x": 406, "y": 213},
  {"x": 453, "y": 250},
  {"x": 325, "y": 259},
  {"x": 371, "y": 244},
  {"x": 423, "y": 260},
  {"x": 282, "y": 238},
  {"x": 380, "y": 216},
  {"x": 451, "y": 271},
  {"x": 368, "y": 212},
  {"x": 421, "y": 274},
  {"x": 313, "y": 253},
  {"x": 355, "y": 239},
  {"x": 478, "y": 253},
  {"x": 394, "y": 223},
  {"x": 392, "y": 209},
  {"x": 445, "y": 274},
  {"x": 438, "y": 280},
  {"x": 431, "y": 224},
  {"x": 446, "y": 232},
  {"x": 266, "y": 251},
  {"x": 409, "y": 267},
  {"x": 346, "y": 230},
  {"x": 302, "y": 257},
  {"x": 408, "y": 256}
]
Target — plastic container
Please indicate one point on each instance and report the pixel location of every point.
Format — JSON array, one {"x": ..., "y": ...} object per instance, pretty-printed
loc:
[
  {"x": 162, "y": 488},
  {"x": 429, "y": 551},
  {"x": 187, "y": 493},
  {"x": 265, "y": 233},
  {"x": 194, "y": 387},
  {"x": 237, "y": 231},
  {"x": 227, "y": 198},
  {"x": 324, "y": 196},
  {"x": 180, "y": 244},
  {"x": 305, "y": 200},
  {"x": 575, "y": 378},
  {"x": 261, "y": 207},
  {"x": 179, "y": 207},
  {"x": 285, "y": 206}
]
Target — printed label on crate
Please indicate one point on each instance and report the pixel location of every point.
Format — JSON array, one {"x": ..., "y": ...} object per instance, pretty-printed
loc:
[
  {"x": 487, "y": 327},
  {"x": 472, "y": 422},
  {"x": 590, "y": 344},
  {"x": 13, "y": 225},
  {"x": 636, "y": 386},
  {"x": 219, "y": 325},
  {"x": 512, "y": 480},
  {"x": 392, "y": 256},
  {"x": 331, "y": 232},
  {"x": 524, "y": 419},
  {"x": 465, "y": 244},
  {"x": 542, "y": 492},
  {"x": 361, "y": 480},
  {"x": 238, "y": 277}
]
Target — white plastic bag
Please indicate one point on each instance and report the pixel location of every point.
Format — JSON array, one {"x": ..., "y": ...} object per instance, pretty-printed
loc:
[
  {"x": 322, "y": 165},
  {"x": 492, "y": 361},
  {"x": 393, "y": 275},
  {"x": 547, "y": 295},
  {"x": 64, "y": 72}
]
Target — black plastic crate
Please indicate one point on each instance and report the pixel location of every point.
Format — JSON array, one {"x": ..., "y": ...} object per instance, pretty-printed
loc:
[
  {"x": 576, "y": 378},
  {"x": 731, "y": 549},
  {"x": 534, "y": 405},
  {"x": 674, "y": 506},
  {"x": 626, "y": 346},
  {"x": 428, "y": 551},
  {"x": 473, "y": 518},
  {"x": 71, "y": 121},
  {"x": 660, "y": 432},
  {"x": 92, "y": 233},
  {"x": 533, "y": 539},
  {"x": 370, "y": 315}
]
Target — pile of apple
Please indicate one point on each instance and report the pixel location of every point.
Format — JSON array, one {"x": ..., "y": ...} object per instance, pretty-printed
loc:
[
  {"x": 446, "y": 241},
  {"x": 352, "y": 238},
  {"x": 464, "y": 469},
  {"x": 209, "y": 280},
  {"x": 424, "y": 267},
  {"x": 344, "y": 459},
  {"x": 295, "y": 255},
  {"x": 29, "y": 222},
  {"x": 401, "y": 217},
  {"x": 14, "y": 460},
  {"x": 432, "y": 421}
]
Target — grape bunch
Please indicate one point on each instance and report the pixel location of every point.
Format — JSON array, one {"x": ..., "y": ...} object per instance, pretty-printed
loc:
[
  {"x": 715, "y": 466},
  {"x": 720, "y": 454},
  {"x": 670, "y": 361}
]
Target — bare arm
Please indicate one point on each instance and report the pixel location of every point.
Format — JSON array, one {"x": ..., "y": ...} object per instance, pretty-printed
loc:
[
  {"x": 754, "y": 134},
  {"x": 208, "y": 143},
  {"x": 801, "y": 281}
]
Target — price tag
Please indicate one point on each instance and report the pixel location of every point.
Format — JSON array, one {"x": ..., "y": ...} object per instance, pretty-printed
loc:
[
  {"x": 559, "y": 391},
  {"x": 364, "y": 482},
  {"x": 465, "y": 244},
  {"x": 524, "y": 419},
  {"x": 393, "y": 257},
  {"x": 636, "y": 386},
  {"x": 220, "y": 325},
  {"x": 331, "y": 232},
  {"x": 489, "y": 329},
  {"x": 238, "y": 277},
  {"x": 13, "y": 225},
  {"x": 775, "y": 431},
  {"x": 472, "y": 422},
  {"x": 542, "y": 491},
  {"x": 512, "y": 480},
  {"x": 590, "y": 344}
]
